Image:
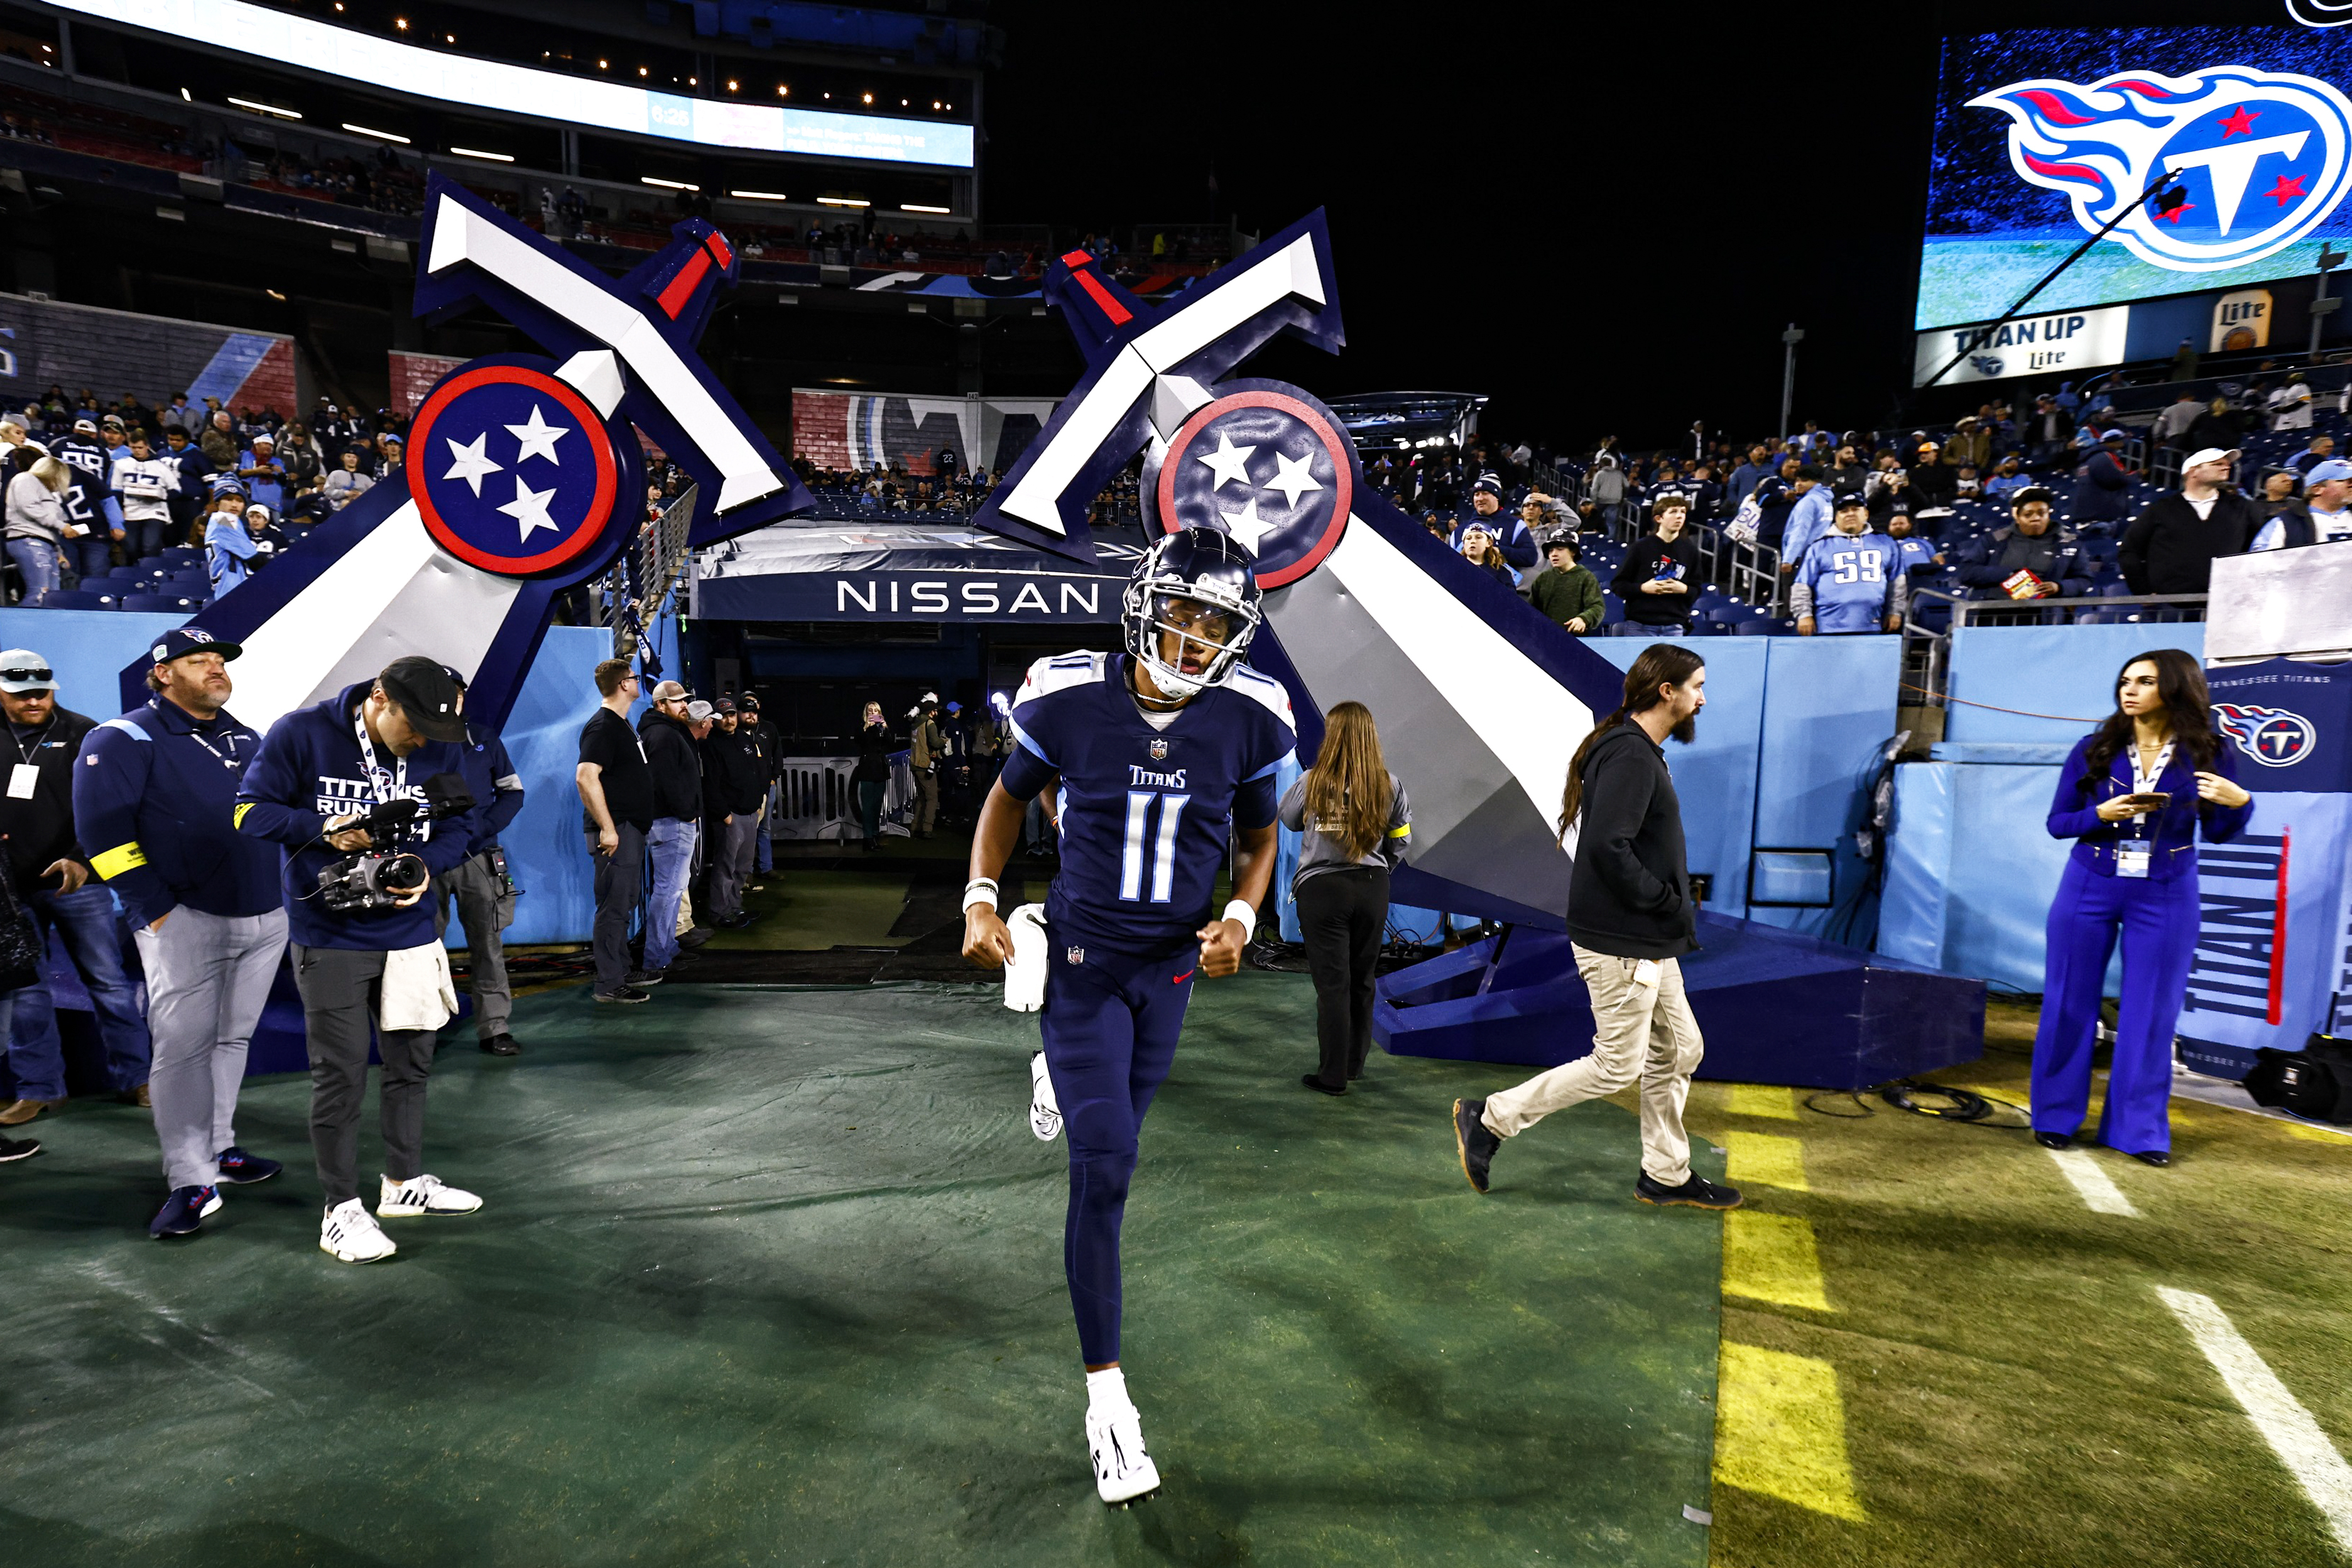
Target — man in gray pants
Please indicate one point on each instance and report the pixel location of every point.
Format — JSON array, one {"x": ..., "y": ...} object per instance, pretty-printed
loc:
[
  {"x": 154, "y": 796},
  {"x": 366, "y": 958},
  {"x": 478, "y": 885}
]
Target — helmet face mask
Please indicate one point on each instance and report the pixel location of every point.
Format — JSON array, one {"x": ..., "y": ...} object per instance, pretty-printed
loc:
[{"x": 1191, "y": 611}]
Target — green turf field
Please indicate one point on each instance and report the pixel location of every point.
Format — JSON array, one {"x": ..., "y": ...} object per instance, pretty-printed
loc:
[
  {"x": 2012, "y": 1389},
  {"x": 774, "y": 1277}
]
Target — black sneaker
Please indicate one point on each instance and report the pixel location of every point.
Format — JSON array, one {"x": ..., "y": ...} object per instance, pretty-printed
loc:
[
  {"x": 18, "y": 1148},
  {"x": 647, "y": 976},
  {"x": 2053, "y": 1140},
  {"x": 683, "y": 955},
  {"x": 1473, "y": 1141},
  {"x": 238, "y": 1168},
  {"x": 501, "y": 1045},
  {"x": 183, "y": 1212},
  {"x": 626, "y": 994},
  {"x": 735, "y": 921},
  {"x": 696, "y": 937},
  {"x": 1320, "y": 1087},
  {"x": 1699, "y": 1193}
]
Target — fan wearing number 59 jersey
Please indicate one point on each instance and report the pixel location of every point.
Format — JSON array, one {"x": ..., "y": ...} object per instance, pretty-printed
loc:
[
  {"x": 1851, "y": 580},
  {"x": 1162, "y": 752}
]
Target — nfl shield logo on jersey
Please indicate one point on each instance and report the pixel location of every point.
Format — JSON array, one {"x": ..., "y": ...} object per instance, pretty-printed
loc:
[
  {"x": 1159, "y": 750},
  {"x": 1077, "y": 956}
]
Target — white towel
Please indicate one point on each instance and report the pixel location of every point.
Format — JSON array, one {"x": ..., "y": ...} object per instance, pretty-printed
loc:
[
  {"x": 1024, "y": 977},
  {"x": 418, "y": 991}
]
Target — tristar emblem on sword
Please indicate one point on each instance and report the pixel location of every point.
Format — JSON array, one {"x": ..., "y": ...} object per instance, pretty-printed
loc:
[
  {"x": 522, "y": 474},
  {"x": 1474, "y": 688}
]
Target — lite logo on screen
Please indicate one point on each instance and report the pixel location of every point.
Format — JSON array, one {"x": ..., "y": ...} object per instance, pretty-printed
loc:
[{"x": 2264, "y": 157}]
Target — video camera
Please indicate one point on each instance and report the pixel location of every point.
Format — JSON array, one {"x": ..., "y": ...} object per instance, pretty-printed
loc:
[{"x": 365, "y": 878}]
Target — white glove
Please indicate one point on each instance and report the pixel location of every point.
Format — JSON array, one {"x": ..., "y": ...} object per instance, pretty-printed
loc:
[{"x": 1024, "y": 977}]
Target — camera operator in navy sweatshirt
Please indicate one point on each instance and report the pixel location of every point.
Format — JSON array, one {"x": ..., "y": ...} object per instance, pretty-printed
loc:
[{"x": 320, "y": 773}]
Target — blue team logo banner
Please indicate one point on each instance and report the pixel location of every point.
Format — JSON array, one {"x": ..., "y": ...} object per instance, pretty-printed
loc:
[
  {"x": 2271, "y": 736},
  {"x": 512, "y": 470},
  {"x": 2043, "y": 135},
  {"x": 1264, "y": 463},
  {"x": 2264, "y": 156}
]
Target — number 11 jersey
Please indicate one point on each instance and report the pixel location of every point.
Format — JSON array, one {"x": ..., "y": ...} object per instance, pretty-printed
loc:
[{"x": 1143, "y": 809}]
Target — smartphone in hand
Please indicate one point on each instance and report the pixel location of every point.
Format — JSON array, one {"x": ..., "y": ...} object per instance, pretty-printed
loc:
[{"x": 2149, "y": 800}]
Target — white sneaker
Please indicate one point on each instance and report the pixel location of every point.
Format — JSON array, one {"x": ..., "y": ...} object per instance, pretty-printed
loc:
[
  {"x": 1123, "y": 1471},
  {"x": 350, "y": 1233},
  {"x": 1044, "y": 1114},
  {"x": 423, "y": 1194}
]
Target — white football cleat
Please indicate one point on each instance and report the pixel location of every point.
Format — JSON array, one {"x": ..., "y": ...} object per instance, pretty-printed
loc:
[
  {"x": 1123, "y": 1471},
  {"x": 423, "y": 1194},
  {"x": 352, "y": 1235},
  {"x": 1044, "y": 1114}
]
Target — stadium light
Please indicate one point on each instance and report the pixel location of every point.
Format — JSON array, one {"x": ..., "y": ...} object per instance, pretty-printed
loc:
[
  {"x": 919, "y": 207},
  {"x": 842, "y": 202},
  {"x": 187, "y": 96},
  {"x": 868, "y": 99},
  {"x": 475, "y": 153},
  {"x": 665, "y": 185},
  {"x": 365, "y": 131},
  {"x": 783, "y": 91},
  {"x": 759, "y": 195},
  {"x": 734, "y": 86},
  {"x": 264, "y": 109}
]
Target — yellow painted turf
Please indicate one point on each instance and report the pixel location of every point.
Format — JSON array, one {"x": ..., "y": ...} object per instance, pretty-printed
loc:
[
  {"x": 1780, "y": 1430},
  {"x": 1772, "y": 1257}
]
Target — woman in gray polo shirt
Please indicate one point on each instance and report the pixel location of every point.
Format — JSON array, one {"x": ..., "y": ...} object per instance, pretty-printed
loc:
[{"x": 1355, "y": 824}]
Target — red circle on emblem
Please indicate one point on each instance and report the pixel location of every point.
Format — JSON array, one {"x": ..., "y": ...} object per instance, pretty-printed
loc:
[
  {"x": 600, "y": 507},
  {"x": 1343, "y": 497}
]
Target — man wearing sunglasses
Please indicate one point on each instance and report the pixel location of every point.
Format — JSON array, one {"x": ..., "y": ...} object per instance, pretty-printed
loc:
[
  {"x": 49, "y": 872},
  {"x": 155, "y": 794}
]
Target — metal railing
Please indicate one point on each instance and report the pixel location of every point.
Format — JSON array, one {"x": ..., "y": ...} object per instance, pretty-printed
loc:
[
  {"x": 629, "y": 598},
  {"x": 1927, "y": 650}
]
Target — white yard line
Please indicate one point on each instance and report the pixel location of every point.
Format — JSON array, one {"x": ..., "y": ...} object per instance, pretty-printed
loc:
[
  {"x": 2284, "y": 1424},
  {"x": 2097, "y": 1188}
]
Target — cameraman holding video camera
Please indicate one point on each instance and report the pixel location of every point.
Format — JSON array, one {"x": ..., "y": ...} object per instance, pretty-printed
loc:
[{"x": 350, "y": 790}]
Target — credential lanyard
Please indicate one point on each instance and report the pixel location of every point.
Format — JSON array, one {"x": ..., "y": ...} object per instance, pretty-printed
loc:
[{"x": 379, "y": 776}]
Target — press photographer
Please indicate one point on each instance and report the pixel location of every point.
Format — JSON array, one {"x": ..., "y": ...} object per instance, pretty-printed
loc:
[{"x": 352, "y": 791}]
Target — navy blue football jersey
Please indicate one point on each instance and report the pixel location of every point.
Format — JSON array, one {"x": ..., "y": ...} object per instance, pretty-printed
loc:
[{"x": 1144, "y": 811}]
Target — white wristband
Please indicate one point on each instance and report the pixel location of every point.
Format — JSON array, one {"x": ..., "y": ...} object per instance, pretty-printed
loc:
[
  {"x": 980, "y": 891},
  {"x": 1239, "y": 910}
]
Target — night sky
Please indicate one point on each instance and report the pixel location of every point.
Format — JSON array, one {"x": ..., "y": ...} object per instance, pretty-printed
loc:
[{"x": 1602, "y": 220}]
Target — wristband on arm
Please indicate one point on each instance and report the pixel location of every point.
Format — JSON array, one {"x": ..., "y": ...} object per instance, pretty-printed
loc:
[
  {"x": 1240, "y": 909},
  {"x": 980, "y": 891}
]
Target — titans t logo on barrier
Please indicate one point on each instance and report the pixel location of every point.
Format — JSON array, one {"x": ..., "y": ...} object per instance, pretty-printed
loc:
[
  {"x": 2265, "y": 156},
  {"x": 2271, "y": 736},
  {"x": 522, "y": 475}
]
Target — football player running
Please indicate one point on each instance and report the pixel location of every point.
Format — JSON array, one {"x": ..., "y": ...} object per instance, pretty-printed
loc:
[{"x": 1156, "y": 751}]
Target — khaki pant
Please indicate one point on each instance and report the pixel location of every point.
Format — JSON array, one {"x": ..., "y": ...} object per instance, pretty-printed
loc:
[{"x": 1642, "y": 1033}]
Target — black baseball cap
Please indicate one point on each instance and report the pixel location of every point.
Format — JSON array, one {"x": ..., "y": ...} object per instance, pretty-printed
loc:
[
  {"x": 427, "y": 695},
  {"x": 181, "y": 641}
]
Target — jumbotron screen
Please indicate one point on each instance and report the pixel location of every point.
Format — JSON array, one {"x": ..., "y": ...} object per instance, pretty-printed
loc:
[{"x": 2043, "y": 136}]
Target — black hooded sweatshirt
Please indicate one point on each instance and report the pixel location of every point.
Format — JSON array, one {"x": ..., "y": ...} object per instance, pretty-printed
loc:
[{"x": 1628, "y": 895}]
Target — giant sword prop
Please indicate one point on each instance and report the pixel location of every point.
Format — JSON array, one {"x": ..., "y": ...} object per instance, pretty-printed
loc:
[
  {"x": 1481, "y": 701},
  {"x": 522, "y": 476}
]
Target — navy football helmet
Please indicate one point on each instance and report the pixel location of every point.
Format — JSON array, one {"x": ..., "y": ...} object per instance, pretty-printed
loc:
[{"x": 1197, "y": 585}]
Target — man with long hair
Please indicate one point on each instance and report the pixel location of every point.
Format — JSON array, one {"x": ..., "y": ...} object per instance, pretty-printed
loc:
[
  {"x": 1630, "y": 918},
  {"x": 1354, "y": 823}
]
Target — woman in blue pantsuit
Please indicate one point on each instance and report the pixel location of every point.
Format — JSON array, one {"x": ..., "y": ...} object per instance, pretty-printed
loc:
[{"x": 2132, "y": 872}]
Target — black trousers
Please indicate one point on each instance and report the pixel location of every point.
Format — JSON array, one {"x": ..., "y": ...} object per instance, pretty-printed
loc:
[
  {"x": 619, "y": 882},
  {"x": 342, "y": 991},
  {"x": 1342, "y": 915}
]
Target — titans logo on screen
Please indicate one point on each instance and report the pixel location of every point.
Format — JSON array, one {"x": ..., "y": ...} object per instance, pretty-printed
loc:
[{"x": 2264, "y": 157}]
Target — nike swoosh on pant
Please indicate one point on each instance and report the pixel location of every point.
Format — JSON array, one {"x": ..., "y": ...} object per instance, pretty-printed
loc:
[{"x": 1179, "y": 978}]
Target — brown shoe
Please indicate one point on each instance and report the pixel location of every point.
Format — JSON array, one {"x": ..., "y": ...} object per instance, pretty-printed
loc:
[
  {"x": 24, "y": 1111},
  {"x": 137, "y": 1097}
]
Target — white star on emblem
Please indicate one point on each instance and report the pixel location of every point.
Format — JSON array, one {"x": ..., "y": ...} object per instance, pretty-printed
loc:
[
  {"x": 472, "y": 461},
  {"x": 1247, "y": 527},
  {"x": 1231, "y": 462},
  {"x": 529, "y": 507},
  {"x": 537, "y": 438},
  {"x": 1291, "y": 478}
]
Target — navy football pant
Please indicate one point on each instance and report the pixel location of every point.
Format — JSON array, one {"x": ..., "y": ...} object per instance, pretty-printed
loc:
[
  {"x": 1110, "y": 1025},
  {"x": 2157, "y": 924}
]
